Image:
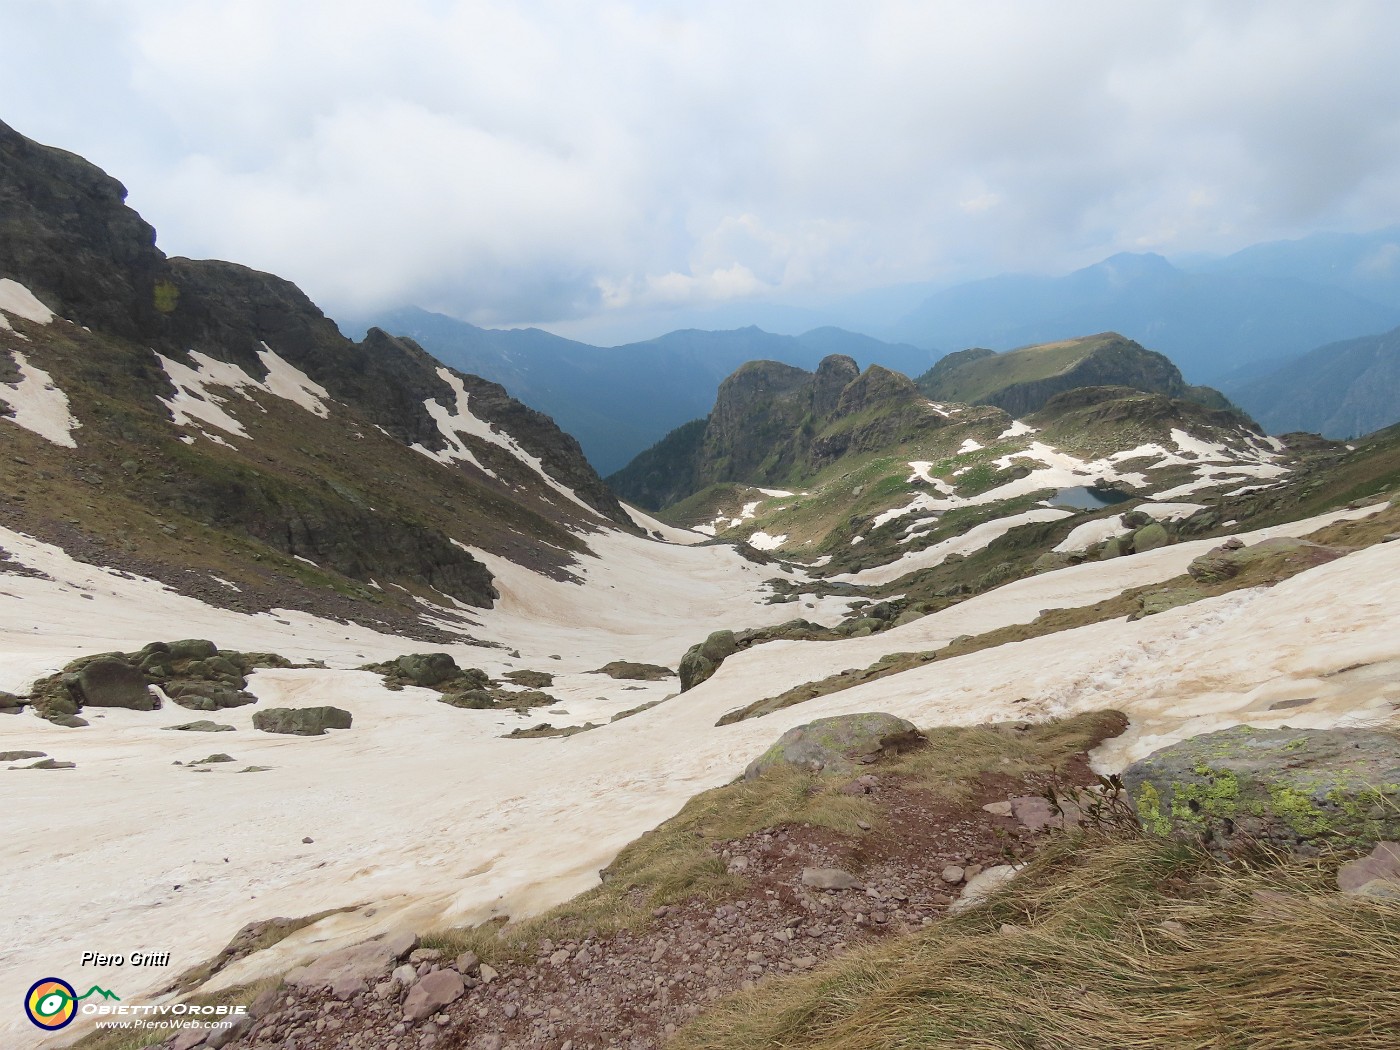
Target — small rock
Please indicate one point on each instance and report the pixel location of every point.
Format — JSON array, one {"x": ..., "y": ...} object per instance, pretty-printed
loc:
[
  {"x": 406, "y": 975},
  {"x": 952, "y": 874},
  {"x": 419, "y": 955},
  {"x": 1010, "y": 929},
  {"x": 488, "y": 974},
  {"x": 998, "y": 809},
  {"x": 829, "y": 879},
  {"x": 1381, "y": 864},
  {"x": 560, "y": 957},
  {"x": 308, "y": 840},
  {"x": 1173, "y": 927},
  {"x": 467, "y": 962},
  {"x": 438, "y": 989}
]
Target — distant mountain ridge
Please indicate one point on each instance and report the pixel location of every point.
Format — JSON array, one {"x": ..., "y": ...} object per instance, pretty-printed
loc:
[
  {"x": 1341, "y": 390},
  {"x": 1209, "y": 323},
  {"x": 1024, "y": 380},
  {"x": 619, "y": 400}
]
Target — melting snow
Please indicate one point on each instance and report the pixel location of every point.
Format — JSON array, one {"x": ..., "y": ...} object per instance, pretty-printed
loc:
[
  {"x": 973, "y": 540},
  {"x": 969, "y": 445},
  {"x": 196, "y": 403},
  {"x": 458, "y": 420},
  {"x": 760, "y": 540},
  {"x": 38, "y": 404},
  {"x": 1016, "y": 429},
  {"x": 18, "y": 300}
]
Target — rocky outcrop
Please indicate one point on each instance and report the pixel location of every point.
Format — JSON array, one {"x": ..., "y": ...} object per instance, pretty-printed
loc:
[
  {"x": 1304, "y": 790},
  {"x": 301, "y": 721},
  {"x": 633, "y": 671},
  {"x": 112, "y": 682},
  {"x": 1265, "y": 558},
  {"x": 835, "y": 745}
]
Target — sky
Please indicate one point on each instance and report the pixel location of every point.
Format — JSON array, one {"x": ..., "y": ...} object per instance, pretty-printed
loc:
[{"x": 611, "y": 170}]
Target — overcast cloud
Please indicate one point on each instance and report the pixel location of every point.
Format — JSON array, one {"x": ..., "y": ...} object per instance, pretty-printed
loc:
[{"x": 516, "y": 163}]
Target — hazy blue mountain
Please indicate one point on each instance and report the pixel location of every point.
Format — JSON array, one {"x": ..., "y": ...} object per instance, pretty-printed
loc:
[
  {"x": 1209, "y": 324},
  {"x": 619, "y": 400},
  {"x": 1365, "y": 264},
  {"x": 1341, "y": 390}
]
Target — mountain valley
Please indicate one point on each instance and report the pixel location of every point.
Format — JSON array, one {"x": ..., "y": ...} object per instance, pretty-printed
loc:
[{"x": 339, "y": 674}]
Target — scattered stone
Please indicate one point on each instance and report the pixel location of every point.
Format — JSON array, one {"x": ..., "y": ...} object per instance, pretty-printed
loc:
[
  {"x": 1381, "y": 865},
  {"x": 530, "y": 679},
  {"x": 829, "y": 879},
  {"x": 998, "y": 809},
  {"x": 1035, "y": 813},
  {"x": 308, "y": 840},
  {"x": 978, "y": 889},
  {"x": 432, "y": 992},
  {"x": 212, "y": 759},
  {"x": 834, "y": 744},
  {"x": 20, "y": 756},
  {"x": 406, "y": 975},
  {"x": 952, "y": 874},
  {"x": 488, "y": 973},
  {"x": 301, "y": 721},
  {"x": 49, "y": 763}
]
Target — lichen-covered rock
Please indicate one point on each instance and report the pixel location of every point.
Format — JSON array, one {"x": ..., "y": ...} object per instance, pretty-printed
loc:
[
  {"x": 1282, "y": 555},
  {"x": 530, "y": 679},
  {"x": 301, "y": 721},
  {"x": 703, "y": 660},
  {"x": 1150, "y": 537},
  {"x": 1300, "y": 789},
  {"x": 427, "y": 669},
  {"x": 112, "y": 682},
  {"x": 832, "y": 745},
  {"x": 187, "y": 649},
  {"x": 1160, "y": 601}
]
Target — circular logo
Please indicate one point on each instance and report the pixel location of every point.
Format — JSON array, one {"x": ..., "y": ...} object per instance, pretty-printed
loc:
[{"x": 51, "y": 1003}]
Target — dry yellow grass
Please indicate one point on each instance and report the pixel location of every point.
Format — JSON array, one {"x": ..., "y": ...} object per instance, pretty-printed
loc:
[{"x": 1267, "y": 957}]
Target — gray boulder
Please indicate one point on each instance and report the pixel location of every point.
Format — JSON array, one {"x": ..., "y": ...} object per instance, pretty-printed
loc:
[
  {"x": 1150, "y": 537},
  {"x": 703, "y": 660},
  {"x": 301, "y": 721},
  {"x": 427, "y": 669},
  {"x": 10, "y": 703},
  {"x": 186, "y": 649},
  {"x": 833, "y": 745},
  {"x": 110, "y": 682},
  {"x": 1304, "y": 790},
  {"x": 435, "y": 990}
]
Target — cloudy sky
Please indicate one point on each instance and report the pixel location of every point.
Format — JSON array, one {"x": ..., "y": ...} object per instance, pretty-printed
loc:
[{"x": 600, "y": 167}]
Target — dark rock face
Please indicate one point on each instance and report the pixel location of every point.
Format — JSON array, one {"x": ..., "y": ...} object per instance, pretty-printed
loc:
[
  {"x": 110, "y": 682},
  {"x": 772, "y": 421},
  {"x": 301, "y": 721},
  {"x": 68, "y": 236},
  {"x": 836, "y": 745},
  {"x": 1305, "y": 790}
]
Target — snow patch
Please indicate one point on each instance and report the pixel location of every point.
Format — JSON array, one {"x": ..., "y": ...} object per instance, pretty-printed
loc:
[
  {"x": 18, "y": 300},
  {"x": 970, "y": 542},
  {"x": 969, "y": 445},
  {"x": 1016, "y": 429},
  {"x": 38, "y": 404},
  {"x": 457, "y": 421},
  {"x": 760, "y": 540},
  {"x": 292, "y": 384}
]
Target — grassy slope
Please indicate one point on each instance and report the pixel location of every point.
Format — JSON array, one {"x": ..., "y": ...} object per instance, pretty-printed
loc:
[
  {"x": 1075, "y": 954},
  {"x": 979, "y": 379}
]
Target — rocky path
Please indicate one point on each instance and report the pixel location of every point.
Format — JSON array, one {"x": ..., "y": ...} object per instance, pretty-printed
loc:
[{"x": 809, "y": 895}]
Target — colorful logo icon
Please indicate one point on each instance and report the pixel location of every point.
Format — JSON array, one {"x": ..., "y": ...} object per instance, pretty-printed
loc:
[{"x": 51, "y": 1003}]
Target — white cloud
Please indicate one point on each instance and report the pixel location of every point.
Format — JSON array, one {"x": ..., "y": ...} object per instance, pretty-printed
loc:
[{"x": 534, "y": 161}]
